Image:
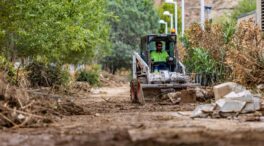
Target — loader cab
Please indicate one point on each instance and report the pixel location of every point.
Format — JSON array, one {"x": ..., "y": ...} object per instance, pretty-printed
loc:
[{"x": 148, "y": 44}]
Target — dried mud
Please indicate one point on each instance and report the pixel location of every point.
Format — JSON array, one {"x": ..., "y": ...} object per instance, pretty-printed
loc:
[{"x": 112, "y": 120}]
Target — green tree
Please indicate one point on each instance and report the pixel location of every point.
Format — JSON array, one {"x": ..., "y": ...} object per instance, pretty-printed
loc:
[
  {"x": 244, "y": 6},
  {"x": 135, "y": 18},
  {"x": 59, "y": 31},
  {"x": 170, "y": 8}
]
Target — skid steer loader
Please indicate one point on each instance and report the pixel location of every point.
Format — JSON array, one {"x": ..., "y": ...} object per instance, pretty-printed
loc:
[{"x": 149, "y": 81}]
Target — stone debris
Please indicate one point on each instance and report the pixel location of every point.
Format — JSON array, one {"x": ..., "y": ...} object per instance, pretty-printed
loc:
[
  {"x": 184, "y": 96},
  {"x": 252, "y": 106},
  {"x": 231, "y": 100},
  {"x": 241, "y": 96},
  {"x": 228, "y": 106},
  {"x": 223, "y": 89},
  {"x": 202, "y": 111}
]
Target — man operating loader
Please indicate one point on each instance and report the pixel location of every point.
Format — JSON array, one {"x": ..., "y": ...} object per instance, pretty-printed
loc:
[
  {"x": 159, "y": 58},
  {"x": 159, "y": 55}
]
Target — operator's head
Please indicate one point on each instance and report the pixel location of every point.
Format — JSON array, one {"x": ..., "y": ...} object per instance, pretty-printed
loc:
[{"x": 159, "y": 46}]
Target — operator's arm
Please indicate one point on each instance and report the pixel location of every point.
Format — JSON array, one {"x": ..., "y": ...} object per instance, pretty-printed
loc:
[
  {"x": 166, "y": 55},
  {"x": 152, "y": 56}
]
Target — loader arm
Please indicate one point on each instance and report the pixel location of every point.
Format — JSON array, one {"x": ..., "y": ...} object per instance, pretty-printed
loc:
[{"x": 140, "y": 67}]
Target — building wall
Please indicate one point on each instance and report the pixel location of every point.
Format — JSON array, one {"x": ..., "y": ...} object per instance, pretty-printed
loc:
[
  {"x": 219, "y": 8},
  {"x": 192, "y": 8}
]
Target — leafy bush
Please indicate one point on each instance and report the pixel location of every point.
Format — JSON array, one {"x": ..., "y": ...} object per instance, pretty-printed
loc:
[
  {"x": 90, "y": 74},
  {"x": 91, "y": 77},
  {"x": 201, "y": 62},
  {"x": 41, "y": 74},
  {"x": 8, "y": 69},
  {"x": 214, "y": 40},
  {"x": 244, "y": 6}
]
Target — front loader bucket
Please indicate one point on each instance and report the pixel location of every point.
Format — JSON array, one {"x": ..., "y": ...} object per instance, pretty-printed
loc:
[{"x": 153, "y": 91}]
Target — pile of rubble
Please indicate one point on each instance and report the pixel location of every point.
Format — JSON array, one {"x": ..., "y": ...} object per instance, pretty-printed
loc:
[
  {"x": 191, "y": 95},
  {"x": 232, "y": 100}
]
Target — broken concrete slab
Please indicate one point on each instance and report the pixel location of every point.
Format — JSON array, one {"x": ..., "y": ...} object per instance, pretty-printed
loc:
[
  {"x": 253, "y": 106},
  {"x": 227, "y": 105},
  {"x": 242, "y": 96},
  {"x": 202, "y": 111},
  {"x": 223, "y": 89}
]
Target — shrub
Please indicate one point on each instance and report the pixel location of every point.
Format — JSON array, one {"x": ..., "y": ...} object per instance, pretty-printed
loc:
[
  {"x": 245, "y": 56},
  {"x": 91, "y": 77},
  {"x": 41, "y": 74},
  {"x": 201, "y": 62},
  {"x": 8, "y": 69}
]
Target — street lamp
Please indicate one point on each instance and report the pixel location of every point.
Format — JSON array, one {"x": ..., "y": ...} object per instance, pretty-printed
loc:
[
  {"x": 175, "y": 12},
  {"x": 202, "y": 13},
  {"x": 166, "y": 25},
  {"x": 167, "y": 13},
  {"x": 183, "y": 17}
]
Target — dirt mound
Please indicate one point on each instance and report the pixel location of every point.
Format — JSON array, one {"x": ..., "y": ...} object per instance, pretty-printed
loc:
[{"x": 19, "y": 108}]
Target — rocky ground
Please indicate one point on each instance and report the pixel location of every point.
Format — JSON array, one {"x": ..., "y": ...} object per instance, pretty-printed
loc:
[{"x": 110, "y": 119}]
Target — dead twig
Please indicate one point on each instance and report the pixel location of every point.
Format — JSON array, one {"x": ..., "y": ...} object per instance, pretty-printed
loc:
[{"x": 7, "y": 119}]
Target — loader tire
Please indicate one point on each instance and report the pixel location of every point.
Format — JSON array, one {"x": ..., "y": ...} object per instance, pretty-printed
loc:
[
  {"x": 140, "y": 94},
  {"x": 133, "y": 91},
  {"x": 136, "y": 92}
]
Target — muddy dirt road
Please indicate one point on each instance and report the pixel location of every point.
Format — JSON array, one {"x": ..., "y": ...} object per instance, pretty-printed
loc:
[{"x": 112, "y": 120}]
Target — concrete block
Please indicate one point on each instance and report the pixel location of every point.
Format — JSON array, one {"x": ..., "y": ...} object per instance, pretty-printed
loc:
[
  {"x": 227, "y": 105},
  {"x": 223, "y": 89},
  {"x": 253, "y": 106},
  {"x": 202, "y": 111},
  {"x": 241, "y": 96}
]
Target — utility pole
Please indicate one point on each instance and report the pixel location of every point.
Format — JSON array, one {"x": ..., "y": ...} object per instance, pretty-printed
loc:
[
  {"x": 183, "y": 17},
  {"x": 202, "y": 14}
]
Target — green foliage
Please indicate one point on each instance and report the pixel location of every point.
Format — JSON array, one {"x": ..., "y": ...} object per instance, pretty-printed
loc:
[
  {"x": 185, "y": 41},
  {"x": 200, "y": 61},
  {"x": 60, "y": 31},
  {"x": 170, "y": 8},
  {"x": 8, "y": 68},
  {"x": 229, "y": 29},
  {"x": 89, "y": 76},
  {"x": 135, "y": 18},
  {"x": 41, "y": 74},
  {"x": 244, "y": 6}
]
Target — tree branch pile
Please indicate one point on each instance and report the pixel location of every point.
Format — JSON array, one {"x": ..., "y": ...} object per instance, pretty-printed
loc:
[{"x": 19, "y": 108}]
